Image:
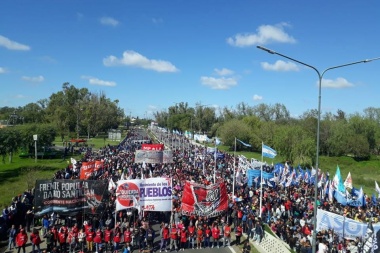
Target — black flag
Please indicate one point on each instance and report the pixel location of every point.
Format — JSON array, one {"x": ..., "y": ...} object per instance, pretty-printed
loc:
[{"x": 370, "y": 240}]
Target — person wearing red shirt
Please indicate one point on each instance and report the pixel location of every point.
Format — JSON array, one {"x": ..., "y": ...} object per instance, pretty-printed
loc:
[
  {"x": 288, "y": 207},
  {"x": 36, "y": 240},
  {"x": 127, "y": 236},
  {"x": 173, "y": 237},
  {"x": 199, "y": 237},
  {"x": 87, "y": 226},
  {"x": 90, "y": 239},
  {"x": 183, "y": 238},
  {"x": 238, "y": 233},
  {"x": 165, "y": 235},
  {"x": 191, "y": 233},
  {"x": 227, "y": 235},
  {"x": 208, "y": 235},
  {"x": 72, "y": 240},
  {"x": 54, "y": 231},
  {"x": 107, "y": 238},
  {"x": 98, "y": 239},
  {"x": 215, "y": 235},
  {"x": 75, "y": 229},
  {"x": 21, "y": 240},
  {"x": 116, "y": 240},
  {"x": 62, "y": 240}
]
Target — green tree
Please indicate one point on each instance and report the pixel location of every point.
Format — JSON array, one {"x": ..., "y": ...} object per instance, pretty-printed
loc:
[{"x": 9, "y": 142}]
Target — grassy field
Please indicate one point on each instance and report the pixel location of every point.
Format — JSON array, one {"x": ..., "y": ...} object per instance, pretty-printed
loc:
[
  {"x": 92, "y": 142},
  {"x": 21, "y": 174}
]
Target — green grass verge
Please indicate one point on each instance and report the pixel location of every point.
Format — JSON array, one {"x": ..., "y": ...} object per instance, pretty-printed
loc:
[
  {"x": 92, "y": 142},
  {"x": 22, "y": 173}
]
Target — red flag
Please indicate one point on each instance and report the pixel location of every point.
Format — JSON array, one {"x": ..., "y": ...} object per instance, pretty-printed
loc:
[
  {"x": 204, "y": 200},
  {"x": 87, "y": 169}
]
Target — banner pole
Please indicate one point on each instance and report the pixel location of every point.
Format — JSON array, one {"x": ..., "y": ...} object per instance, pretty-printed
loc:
[
  {"x": 261, "y": 188},
  {"x": 215, "y": 163},
  {"x": 233, "y": 174},
  {"x": 261, "y": 178}
]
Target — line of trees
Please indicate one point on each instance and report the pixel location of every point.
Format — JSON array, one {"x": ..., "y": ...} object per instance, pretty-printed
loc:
[
  {"x": 356, "y": 135},
  {"x": 71, "y": 112}
]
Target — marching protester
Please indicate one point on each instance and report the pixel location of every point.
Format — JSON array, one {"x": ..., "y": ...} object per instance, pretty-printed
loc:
[
  {"x": 173, "y": 237},
  {"x": 36, "y": 241},
  {"x": 12, "y": 237},
  {"x": 165, "y": 237},
  {"x": 21, "y": 240}
]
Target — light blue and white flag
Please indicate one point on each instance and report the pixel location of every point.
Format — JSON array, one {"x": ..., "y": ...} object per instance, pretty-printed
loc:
[
  {"x": 244, "y": 144},
  {"x": 217, "y": 141},
  {"x": 268, "y": 151}
]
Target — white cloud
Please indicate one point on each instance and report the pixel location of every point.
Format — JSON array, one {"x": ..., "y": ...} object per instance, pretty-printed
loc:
[
  {"x": 96, "y": 81},
  {"x": 223, "y": 72},
  {"x": 218, "y": 83},
  {"x": 33, "y": 79},
  {"x": 265, "y": 34},
  {"x": 337, "y": 83},
  {"x": 132, "y": 58},
  {"x": 3, "y": 70},
  {"x": 257, "y": 97},
  {"x": 12, "y": 45},
  {"x": 109, "y": 21},
  {"x": 280, "y": 65}
]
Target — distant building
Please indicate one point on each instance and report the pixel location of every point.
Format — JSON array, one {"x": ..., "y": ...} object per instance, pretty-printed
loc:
[{"x": 3, "y": 123}]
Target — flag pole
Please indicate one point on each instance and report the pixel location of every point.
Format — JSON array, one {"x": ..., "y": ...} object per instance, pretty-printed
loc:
[
  {"x": 215, "y": 163},
  {"x": 233, "y": 174},
  {"x": 204, "y": 157},
  {"x": 261, "y": 179}
]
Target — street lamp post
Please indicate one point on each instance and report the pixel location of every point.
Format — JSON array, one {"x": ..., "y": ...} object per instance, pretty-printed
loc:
[{"x": 320, "y": 77}]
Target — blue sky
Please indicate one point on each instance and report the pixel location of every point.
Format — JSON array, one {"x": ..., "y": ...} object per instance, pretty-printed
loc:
[{"x": 153, "y": 54}]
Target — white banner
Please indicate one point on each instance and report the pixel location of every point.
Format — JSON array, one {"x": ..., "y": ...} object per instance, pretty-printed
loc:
[
  {"x": 151, "y": 194},
  {"x": 344, "y": 227}
]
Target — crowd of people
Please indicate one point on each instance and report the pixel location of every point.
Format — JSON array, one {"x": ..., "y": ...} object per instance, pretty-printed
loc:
[{"x": 288, "y": 211}]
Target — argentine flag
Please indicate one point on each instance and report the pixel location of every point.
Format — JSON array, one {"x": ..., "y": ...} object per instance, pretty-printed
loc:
[{"x": 268, "y": 151}]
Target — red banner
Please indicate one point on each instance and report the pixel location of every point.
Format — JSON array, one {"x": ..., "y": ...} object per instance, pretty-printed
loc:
[
  {"x": 98, "y": 165},
  {"x": 152, "y": 147},
  {"x": 87, "y": 169},
  {"x": 204, "y": 200}
]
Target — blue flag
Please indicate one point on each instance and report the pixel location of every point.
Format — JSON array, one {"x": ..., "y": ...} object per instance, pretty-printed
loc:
[
  {"x": 374, "y": 200},
  {"x": 244, "y": 144},
  {"x": 340, "y": 197}
]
